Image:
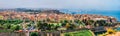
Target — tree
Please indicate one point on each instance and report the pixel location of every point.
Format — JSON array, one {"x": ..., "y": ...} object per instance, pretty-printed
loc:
[
  {"x": 63, "y": 24},
  {"x": 65, "y": 21},
  {"x": 16, "y": 27},
  {"x": 2, "y": 21},
  {"x": 1, "y": 17},
  {"x": 110, "y": 31},
  {"x": 48, "y": 20},
  {"x": 8, "y": 26},
  {"x": 90, "y": 22},
  {"x": 33, "y": 34},
  {"x": 76, "y": 21},
  {"x": 101, "y": 22},
  {"x": 67, "y": 25},
  {"x": 42, "y": 26},
  {"x": 72, "y": 26}
]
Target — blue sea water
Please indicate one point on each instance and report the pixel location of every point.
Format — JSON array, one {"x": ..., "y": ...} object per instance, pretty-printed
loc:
[{"x": 115, "y": 14}]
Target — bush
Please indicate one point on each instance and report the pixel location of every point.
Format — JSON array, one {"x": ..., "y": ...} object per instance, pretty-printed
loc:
[
  {"x": 33, "y": 34},
  {"x": 16, "y": 27}
]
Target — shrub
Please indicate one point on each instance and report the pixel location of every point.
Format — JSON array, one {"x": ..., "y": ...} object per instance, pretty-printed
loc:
[{"x": 33, "y": 34}]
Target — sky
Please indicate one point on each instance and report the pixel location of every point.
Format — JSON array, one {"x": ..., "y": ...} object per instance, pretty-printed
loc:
[{"x": 62, "y": 4}]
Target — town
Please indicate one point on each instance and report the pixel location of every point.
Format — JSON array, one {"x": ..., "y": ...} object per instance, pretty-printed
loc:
[{"x": 56, "y": 23}]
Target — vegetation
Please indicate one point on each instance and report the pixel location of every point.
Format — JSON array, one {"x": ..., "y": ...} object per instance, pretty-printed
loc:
[
  {"x": 35, "y": 21},
  {"x": 79, "y": 33},
  {"x": 109, "y": 31},
  {"x": 51, "y": 25},
  {"x": 34, "y": 34},
  {"x": 5, "y": 30}
]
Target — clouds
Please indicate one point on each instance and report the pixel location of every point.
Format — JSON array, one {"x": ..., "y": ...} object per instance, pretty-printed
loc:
[{"x": 73, "y": 4}]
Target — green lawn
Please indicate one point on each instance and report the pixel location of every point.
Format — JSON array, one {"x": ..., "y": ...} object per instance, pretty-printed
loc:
[
  {"x": 79, "y": 33},
  {"x": 5, "y": 30}
]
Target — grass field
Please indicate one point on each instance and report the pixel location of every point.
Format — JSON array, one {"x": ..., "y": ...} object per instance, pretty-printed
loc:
[
  {"x": 79, "y": 33},
  {"x": 5, "y": 30}
]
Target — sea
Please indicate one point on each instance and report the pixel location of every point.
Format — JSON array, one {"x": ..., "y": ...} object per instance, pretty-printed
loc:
[{"x": 115, "y": 14}]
